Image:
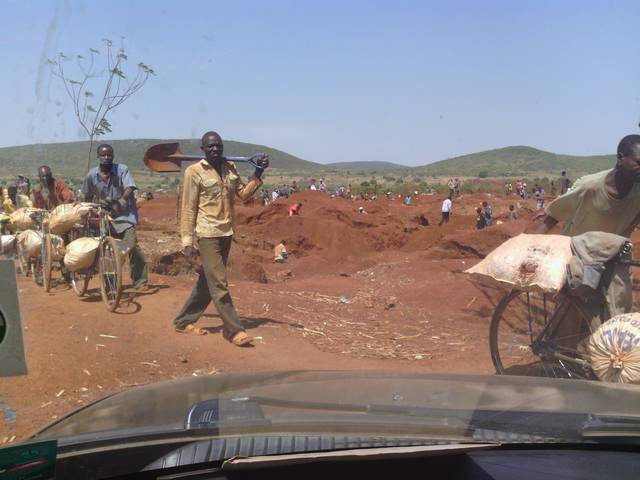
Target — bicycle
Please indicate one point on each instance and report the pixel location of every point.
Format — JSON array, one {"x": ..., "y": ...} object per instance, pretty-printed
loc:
[
  {"x": 107, "y": 262},
  {"x": 36, "y": 266},
  {"x": 51, "y": 252},
  {"x": 533, "y": 333}
]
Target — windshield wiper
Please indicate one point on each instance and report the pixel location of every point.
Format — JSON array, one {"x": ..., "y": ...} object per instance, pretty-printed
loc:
[
  {"x": 599, "y": 426},
  {"x": 479, "y": 425}
]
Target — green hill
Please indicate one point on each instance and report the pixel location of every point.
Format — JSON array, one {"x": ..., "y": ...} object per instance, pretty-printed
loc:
[
  {"x": 516, "y": 161},
  {"x": 377, "y": 166},
  {"x": 70, "y": 159}
]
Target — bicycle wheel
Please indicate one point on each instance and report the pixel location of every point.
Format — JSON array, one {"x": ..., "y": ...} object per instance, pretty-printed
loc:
[
  {"x": 110, "y": 273},
  {"x": 46, "y": 262},
  {"x": 36, "y": 270},
  {"x": 522, "y": 341},
  {"x": 23, "y": 260},
  {"x": 79, "y": 282}
]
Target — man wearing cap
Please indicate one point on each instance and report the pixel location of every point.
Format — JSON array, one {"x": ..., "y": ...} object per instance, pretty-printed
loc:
[
  {"x": 207, "y": 227},
  {"x": 50, "y": 192}
]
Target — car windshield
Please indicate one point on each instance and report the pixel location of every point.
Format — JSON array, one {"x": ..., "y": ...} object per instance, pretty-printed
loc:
[{"x": 430, "y": 207}]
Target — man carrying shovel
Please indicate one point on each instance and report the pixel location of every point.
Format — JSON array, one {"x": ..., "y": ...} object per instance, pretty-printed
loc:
[{"x": 210, "y": 188}]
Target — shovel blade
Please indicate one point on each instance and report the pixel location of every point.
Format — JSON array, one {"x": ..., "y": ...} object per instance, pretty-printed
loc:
[{"x": 166, "y": 157}]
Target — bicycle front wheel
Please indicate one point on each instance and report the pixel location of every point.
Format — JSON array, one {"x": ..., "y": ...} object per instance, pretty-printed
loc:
[
  {"x": 36, "y": 270},
  {"x": 46, "y": 262},
  {"x": 110, "y": 266},
  {"x": 79, "y": 282},
  {"x": 535, "y": 334},
  {"x": 23, "y": 260},
  {"x": 519, "y": 319}
]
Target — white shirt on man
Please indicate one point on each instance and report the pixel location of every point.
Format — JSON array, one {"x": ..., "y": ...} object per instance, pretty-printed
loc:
[{"x": 446, "y": 205}]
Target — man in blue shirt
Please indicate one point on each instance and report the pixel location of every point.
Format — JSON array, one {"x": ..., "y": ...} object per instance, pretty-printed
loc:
[
  {"x": 488, "y": 214},
  {"x": 112, "y": 184}
]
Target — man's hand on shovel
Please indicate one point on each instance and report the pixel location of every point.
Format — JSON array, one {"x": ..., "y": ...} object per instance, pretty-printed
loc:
[{"x": 261, "y": 161}]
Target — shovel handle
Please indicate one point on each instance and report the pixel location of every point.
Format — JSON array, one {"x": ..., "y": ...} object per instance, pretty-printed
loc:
[
  {"x": 243, "y": 160},
  {"x": 182, "y": 156}
]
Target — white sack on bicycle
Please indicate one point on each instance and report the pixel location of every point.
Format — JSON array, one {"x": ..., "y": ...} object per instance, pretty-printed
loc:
[
  {"x": 7, "y": 244},
  {"x": 31, "y": 242},
  {"x": 64, "y": 217},
  {"x": 614, "y": 349},
  {"x": 535, "y": 263},
  {"x": 81, "y": 253},
  {"x": 22, "y": 218}
]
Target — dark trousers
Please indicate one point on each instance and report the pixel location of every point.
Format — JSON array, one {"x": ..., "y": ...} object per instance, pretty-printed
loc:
[
  {"x": 212, "y": 286},
  {"x": 137, "y": 264},
  {"x": 445, "y": 218}
]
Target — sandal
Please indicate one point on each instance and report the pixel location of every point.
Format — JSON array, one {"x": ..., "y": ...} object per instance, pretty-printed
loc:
[
  {"x": 241, "y": 338},
  {"x": 192, "y": 330}
]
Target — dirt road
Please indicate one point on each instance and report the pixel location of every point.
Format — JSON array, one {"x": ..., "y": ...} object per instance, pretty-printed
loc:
[{"x": 373, "y": 291}]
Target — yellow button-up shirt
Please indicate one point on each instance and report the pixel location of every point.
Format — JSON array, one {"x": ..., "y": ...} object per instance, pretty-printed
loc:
[{"x": 207, "y": 200}]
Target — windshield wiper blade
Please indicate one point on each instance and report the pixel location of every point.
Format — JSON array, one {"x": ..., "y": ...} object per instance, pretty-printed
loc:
[
  {"x": 492, "y": 425},
  {"x": 611, "y": 426}
]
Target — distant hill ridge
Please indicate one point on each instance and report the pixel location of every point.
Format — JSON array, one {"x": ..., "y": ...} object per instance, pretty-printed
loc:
[
  {"x": 366, "y": 165},
  {"x": 70, "y": 159},
  {"x": 517, "y": 161}
]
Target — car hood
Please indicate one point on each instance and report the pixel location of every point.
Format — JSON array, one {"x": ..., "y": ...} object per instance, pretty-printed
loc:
[{"x": 164, "y": 406}]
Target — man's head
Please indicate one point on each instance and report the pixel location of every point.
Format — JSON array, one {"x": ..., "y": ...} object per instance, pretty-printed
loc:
[
  {"x": 485, "y": 204},
  {"x": 283, "y": 242},
  {"x": 23, "y": 185},
  {"x": 511, "y": 207},
  {"x": 449, "y": 197},
  {"x": 45, "y": 176},
  {"x": 479, "y": 211},
  {"x": 105, "y": 157},
  {"x": 564, "y": 173},
  {"x": 629, "y": 156},
  {"x": 212, "y": 147}
]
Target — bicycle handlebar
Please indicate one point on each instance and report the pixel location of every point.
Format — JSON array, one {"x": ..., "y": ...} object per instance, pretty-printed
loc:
[{"x": 632, "y": 262}]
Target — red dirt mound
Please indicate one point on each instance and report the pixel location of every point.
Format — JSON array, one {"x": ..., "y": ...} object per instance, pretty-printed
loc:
[
  {"x": 332, "y": 225},
  {"x": 475, "y": 243},
  {"x": 242, "y": 265},
  {"x": 332, "y": 232}
]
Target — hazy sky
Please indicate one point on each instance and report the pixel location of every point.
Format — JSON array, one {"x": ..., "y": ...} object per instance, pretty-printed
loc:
[{"x": 404, "y": 81}]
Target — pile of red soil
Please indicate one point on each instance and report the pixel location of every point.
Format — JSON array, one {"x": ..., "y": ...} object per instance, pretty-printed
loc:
[
  {"x": 333, "y": 226},
  {"x": 475, "y": 243},
  {"x": 332, "y": 232}
]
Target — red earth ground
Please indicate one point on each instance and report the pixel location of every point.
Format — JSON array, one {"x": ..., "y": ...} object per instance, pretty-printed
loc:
[{"x": 360, "y": 291}]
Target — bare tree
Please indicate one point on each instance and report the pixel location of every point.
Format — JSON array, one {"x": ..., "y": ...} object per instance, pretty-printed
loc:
[{"x": 107, "y": 69}]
